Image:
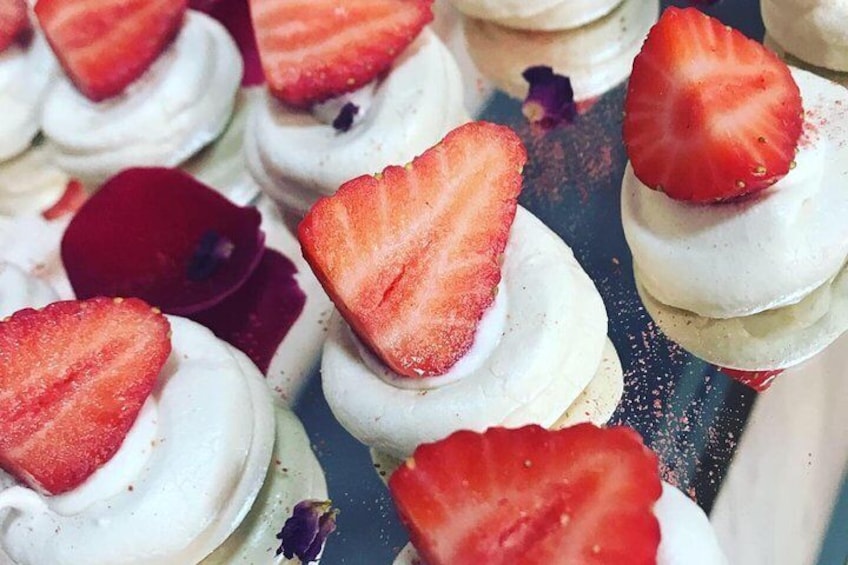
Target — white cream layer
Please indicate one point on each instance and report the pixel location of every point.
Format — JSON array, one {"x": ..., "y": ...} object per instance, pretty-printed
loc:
[
  {"x": 296, "y": 158},
  {"x": 183, "y": 480},
  {"x": 551, "y": 346},
  {"x": 596, "y": 57},
  {"x": 687, "y": 536},
  {"x": 179, "y": 105},
  {"x": 537, "y": 15},
  {"x": 25, "y": 75},
  {"x": 19, "y": 290},
  {"x": 815, "y": 31},
  {"x": 767, "y": 251}
]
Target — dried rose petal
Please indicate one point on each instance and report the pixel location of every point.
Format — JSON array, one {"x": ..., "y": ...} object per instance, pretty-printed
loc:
[
  {"x": 305, "y": 532},
  {"x": 257, "y": 317},
  {"x": 140, "y": 233},
  {"x": 235, "y": 16},
  {"x": 344, "y": 120},
  {"x": 550, "y": 100},
  {"x": 757, "y": 380}
]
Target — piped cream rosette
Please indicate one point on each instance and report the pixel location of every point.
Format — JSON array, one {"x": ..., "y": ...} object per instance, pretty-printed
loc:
[
  {"x": 296, "y": 156},
  {"x": 539, "y": 15},
  {"x": 540, "y": 356},
  {"x": 596, "y": 57},
  {"x": 208, "y": 451},
  {"x": 182, "y": 103},
  {"x": 760, "y": 283}
]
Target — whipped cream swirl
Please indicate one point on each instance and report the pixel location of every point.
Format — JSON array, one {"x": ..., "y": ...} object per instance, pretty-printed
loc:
[
  {"x": 19, "y": 290},
  {"x": 183, "y": 102},
  {"x": 181, "y": 483},
  {"x": 25, "y": 75},
  {"x": 296, "y": 157}
]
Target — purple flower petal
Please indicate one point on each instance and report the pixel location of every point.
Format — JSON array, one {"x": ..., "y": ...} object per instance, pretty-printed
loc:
[
  {"x": 550, "y": 100},
  {"x": 344, "y": 120},
  {"x": 304, "y": 533},
  {"x": 257, "y": 317},
  {"x": 235, "y": 16}
]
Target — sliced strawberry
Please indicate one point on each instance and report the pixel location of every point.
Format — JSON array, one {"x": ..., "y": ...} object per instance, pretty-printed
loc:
[
  {"x": 709, "y": 113},
  {"x": 312, "y": 50},
  {"x": 14, "y": 22},
  {"x": 73, "y": 378},
  {"x": 411, "y": 256},
  {"x": 757, "y": 380},
  {"x": 578, "y": 495},
  {"x": 105, "y": 45},
  {"x": 71, "y": 200}
]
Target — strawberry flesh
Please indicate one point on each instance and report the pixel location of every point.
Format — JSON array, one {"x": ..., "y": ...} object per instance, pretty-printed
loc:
[
  {"x": 73, "y": 377},
  {"x": 14, "y": 22},
  {"x": 411, "y": 256},
  {"x": 578, "y": 495},
  {"x": 105, "y": 45},
  {"x": 313, "y": 50},
  {"x": 757, "y": 380},
  {"x": 710, "y": 115}
]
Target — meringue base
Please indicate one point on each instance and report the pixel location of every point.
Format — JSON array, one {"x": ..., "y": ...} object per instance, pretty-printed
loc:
[
  {"x": 812, "y": 33},
  {"x": 831, "y": 75},
  {"x": 562, "y": 15},
  {"x": 770, "y": 340},
  {"x": 595, "y": 404},
  {"x": 293, "y": 475},
  {"x": 596, "y": 57}
]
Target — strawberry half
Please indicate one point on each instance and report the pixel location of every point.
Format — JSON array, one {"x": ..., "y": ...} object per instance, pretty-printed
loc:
[
  {"x": 312, "y": 50},
  {"x": 411, "y": 256},
  {"x": 73, "y": 377},
  {"x": 14, "y": 22},
  {"x": 105, "y": 45},
  {"x": 578, "y": 495},
  {"x": 709, "y": 114},
  {"x": 757, "y": 380}
]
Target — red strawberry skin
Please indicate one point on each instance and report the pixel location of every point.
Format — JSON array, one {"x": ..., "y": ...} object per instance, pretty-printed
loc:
[
  {"x": 709, "y": 114},
  {"x": 71, "y": 200},
  {"x": 105, "y": 45},
  {"x": 312, "y": 50},
  {"x": 73, "y": 377},
  {"x": 578, "y": 495},
  {"x": 14, "y": 22},
  {"x": 757, "y": 380},
  {"x": 411, "y": 257}
]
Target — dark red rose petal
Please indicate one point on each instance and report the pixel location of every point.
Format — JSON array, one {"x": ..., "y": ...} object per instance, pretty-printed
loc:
[
  {"x": 257, "y": 317},
  {"x": 235, "y": 16},
  {"x": 141, "y": 233},
  {"x": 757, "y": 380}
]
